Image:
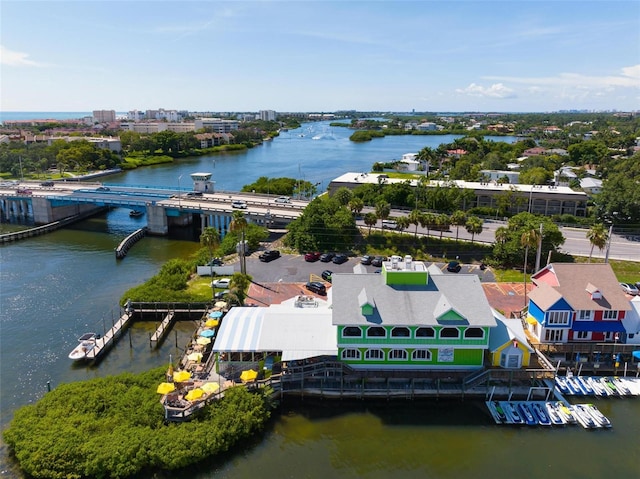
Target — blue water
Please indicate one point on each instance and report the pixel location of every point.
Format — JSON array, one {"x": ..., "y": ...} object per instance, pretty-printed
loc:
[{"x": 44, "y": 115}]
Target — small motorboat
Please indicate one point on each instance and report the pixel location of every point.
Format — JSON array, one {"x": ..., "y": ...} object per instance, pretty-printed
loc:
[
  {"x": 528, "y": 416},
  {"x": 541, "y": 414},
  {"x": 135, "y": 213},
  {"x": 554, "y": 414},
  {"x": 86, "y": 343},
  {"x": 566, "y": 412},
  {"x": 513, "y": 413}
]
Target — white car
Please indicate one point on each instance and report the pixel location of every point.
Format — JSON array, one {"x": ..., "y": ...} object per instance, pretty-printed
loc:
[
  {"x": 221, "y": 283},
  {"x": 629, "y": 289},
  {"x": 239, "y": 204},
  {"x": 282, "y": 199}
]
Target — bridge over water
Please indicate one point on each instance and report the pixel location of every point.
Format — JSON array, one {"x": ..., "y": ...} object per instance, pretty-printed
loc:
[{"x": 164, "y": 207}]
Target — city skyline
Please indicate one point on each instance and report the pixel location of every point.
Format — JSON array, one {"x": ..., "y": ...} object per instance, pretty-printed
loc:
[{"x": 320, "y": 56}]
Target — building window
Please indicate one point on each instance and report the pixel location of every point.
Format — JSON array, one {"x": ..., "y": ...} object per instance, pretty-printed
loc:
[
  {"x": 553, "y": 335},
  {"x": 582, "y": 335},
  {"x": 400, "y": 333},
  {"x": 425, "y": 333},
  {"x": 376, "y": 332},
  {"x": 450, "y": 333},
  {"x": 421, "y": 355},
  {"x": 584, "y": 315},
  {"x": 610, "y": 314},
  {"x": 373, "y": 354},
  {"x": 352, "y": 332},
  {"x": 398, "y": 355},
  {"x": 474, "y": 333},
  {"x": 558, "y": 318},
  {"x": 351, "y": 354}
]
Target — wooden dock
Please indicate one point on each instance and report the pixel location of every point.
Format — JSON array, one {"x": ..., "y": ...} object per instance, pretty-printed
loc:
[
  {"x": 106, "y": 341},
  {"x": 163, "y": 328}
]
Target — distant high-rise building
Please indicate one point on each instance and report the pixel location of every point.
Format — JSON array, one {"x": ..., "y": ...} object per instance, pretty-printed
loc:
[
  {"x": 267, "y": 115},
  {"x": 104, "y": 116}
]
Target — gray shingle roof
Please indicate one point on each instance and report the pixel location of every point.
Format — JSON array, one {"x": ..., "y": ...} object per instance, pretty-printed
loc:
[{"x": 410, "y": 305}]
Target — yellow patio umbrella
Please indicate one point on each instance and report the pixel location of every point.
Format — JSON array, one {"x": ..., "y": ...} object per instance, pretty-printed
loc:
[
  {"x": 194, "y": 394},
  {"x": 194, "y": 357},
  {"x": 211, "y": 323},
  {"x": 165, "y": 388},
  {"x": 248, "y": 375},
  {"x": 210, "y": 388},
  {"x": 203, "y": 341},
  {"x": 181, "y": 376}
]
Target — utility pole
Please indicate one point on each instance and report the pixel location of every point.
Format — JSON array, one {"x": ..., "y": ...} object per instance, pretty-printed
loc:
[{"x": 606, "y": 255}]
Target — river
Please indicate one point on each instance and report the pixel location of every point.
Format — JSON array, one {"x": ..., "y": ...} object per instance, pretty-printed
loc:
[{"x": 57, "y": 286}]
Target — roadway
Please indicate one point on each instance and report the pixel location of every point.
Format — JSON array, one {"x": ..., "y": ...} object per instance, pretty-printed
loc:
[{"x": 625, "y": 247}]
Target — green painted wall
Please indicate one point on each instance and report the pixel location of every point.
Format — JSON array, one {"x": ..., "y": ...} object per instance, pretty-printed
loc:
[{"x": 461, "y": 357}]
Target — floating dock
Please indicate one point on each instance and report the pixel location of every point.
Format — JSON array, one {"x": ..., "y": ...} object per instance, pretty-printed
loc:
[
  {"x": 129, "y": 241},
  {"x": 163, "y": 328}
]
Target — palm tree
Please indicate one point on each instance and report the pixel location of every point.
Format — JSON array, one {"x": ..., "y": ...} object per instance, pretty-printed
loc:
[
  {"x": 414, "y": 219},
  {"x": 210, "y": 238},
  {"x": 383, "y": 210},
  {"x": 444, "y": 222},
  {"x": 473, "y": 226},
  {"x": 370, "y": 219},
  {"x": 403, "y": 223},
  {"x": 356, "y": 204},
  {"x": 502, "y": 234},
  {"x": 239, "y": 224},
  {"x": 597, "y": 236},
  {"x": 458, "y": 219},
  {"x": 529, "y": 239}
]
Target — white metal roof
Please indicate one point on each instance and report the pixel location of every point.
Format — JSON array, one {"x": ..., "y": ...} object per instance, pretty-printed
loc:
[{"x": 297, "y": 332}]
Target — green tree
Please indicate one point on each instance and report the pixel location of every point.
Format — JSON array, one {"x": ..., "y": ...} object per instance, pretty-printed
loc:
[
  {"x": 597, "y": 236},
  {"x": 356, "y": 205},
  {"x": 370, "y": 219},
  {"x": 343, "y": 195},
  {"x": 210, "y": 239},
  {"x": 402, "y": 222},
  {"x": 473, "y": 226},
  {"x": 383, "y": 210},
  {"x": 458, "y": 219},
  {"x": 414, "y": 219}
]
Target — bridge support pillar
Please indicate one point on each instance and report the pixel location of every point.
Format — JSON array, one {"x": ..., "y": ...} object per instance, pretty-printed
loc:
[{"x": 157, "y": 221}]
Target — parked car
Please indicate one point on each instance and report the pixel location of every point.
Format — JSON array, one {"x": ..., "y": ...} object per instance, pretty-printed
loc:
[
  {"x": 282, "y": 199},
  {"x": 239, "y": 204},
  {"x": 23, "y": 191},
  {"x": 629, "y": 288},
  {"x": 366, "y": 259},
  {"x": 215, "y": 262},
  {"x": 326, "y": 275},
  {"x": 221, "y": 294},
  {"x": 326, "y": 257},
  {"x": 312, "y": 257},
  {"x": 194, "y": 193},
  {"x": 103, "y": 188},
  {"x": 340, "y": 258},
  {"x": 47, "y": 183},
  {"x": 269, "y": 255},
  {"x": 378, "y": 260},
  {"x": 316, "y": 287},
  {"x": 221, "y": 283},
  {"x": 454, "y": 267}
]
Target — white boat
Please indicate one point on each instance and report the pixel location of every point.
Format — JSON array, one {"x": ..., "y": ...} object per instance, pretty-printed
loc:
[
  {"x": 595, "y": 413},
  {"x": 621, "y": 384},
  {"x": 598, "y": 388},
  {"x": 566, "y": 413},
  {"x": 554, "y": 414},
  {"x": 540, "y": 412},
  {"x": 512, "y": 413},
  {"x": 86, "y": 343},
  {"x": 584, "y": 418}
]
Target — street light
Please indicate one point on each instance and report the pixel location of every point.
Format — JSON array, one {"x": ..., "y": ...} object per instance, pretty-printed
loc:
[{"x": 179, "y": 192}]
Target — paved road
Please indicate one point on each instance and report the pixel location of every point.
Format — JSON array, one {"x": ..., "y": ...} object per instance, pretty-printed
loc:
[{"x": 623, "y": 247}]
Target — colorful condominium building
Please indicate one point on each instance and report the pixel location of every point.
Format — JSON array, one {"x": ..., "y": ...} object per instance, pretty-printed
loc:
[
  {"x": 406, "y": 317},
  {"x": 576, "y": 302}
]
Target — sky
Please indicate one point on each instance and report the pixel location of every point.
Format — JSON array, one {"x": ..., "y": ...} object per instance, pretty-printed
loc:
[{"x": 320, "y": 56}]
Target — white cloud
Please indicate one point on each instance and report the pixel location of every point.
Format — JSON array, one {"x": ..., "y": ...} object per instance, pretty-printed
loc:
[
  {"x": 12, "y": 58},
  {"x": 628, "y": 77},
  {"x": 497, "y": 90}
]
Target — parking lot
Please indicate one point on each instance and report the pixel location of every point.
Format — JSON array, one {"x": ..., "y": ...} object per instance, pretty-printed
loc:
[{"x": 292, "y": 268}]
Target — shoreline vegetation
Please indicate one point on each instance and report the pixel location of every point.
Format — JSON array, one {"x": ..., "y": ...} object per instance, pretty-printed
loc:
[{"x": 114, "y": 427}]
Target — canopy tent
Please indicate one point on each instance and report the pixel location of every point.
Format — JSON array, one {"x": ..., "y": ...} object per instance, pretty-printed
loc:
[
  {"x": 248, "y": 375},
  {"x": 181, "y": 376},
  {"x": 194, "y": 394},
  {"x": 636, "y": 355}
]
